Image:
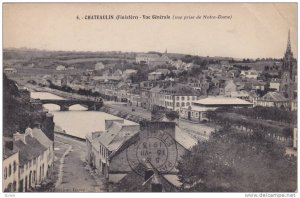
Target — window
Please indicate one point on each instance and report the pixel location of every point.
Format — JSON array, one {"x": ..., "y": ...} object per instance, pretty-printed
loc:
[
  {"x": 182, "y": 97},
  {"x": 177, "y": 98},
  {"x": 14, "y": 186},
  {"x": 187, "y": 104},
  {"x": 182, "y": 104},
  {"x": 14, "y": 166},
  {"x": 9, "y": 170},
  {"x": 177, "y": 104},
  {"x": 5, "y": 172},
  {"x": 188, "y": 97}
]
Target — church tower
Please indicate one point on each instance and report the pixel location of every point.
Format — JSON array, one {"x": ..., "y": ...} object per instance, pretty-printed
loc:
[{"x": 288, "y": 72}]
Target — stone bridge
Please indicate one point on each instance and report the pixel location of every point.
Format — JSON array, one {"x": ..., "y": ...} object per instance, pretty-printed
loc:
[{"x": 65, "y": 104}]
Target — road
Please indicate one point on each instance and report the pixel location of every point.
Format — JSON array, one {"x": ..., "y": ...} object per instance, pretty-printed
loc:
[{"x": 72, "y": 172}]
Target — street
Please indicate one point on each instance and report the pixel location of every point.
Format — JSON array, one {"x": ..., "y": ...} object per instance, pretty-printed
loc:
[{"x": 71, "y": 171}]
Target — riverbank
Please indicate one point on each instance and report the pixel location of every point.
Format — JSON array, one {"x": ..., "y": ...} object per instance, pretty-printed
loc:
[{"x": 132, "y": 116}]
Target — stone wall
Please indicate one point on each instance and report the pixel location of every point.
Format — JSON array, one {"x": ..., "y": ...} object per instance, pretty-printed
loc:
[{"x": 121, "y": 114}]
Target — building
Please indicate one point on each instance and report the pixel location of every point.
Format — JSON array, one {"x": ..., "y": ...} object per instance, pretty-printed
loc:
[
  {"x": 289, "y": 73},
  {"x": 154, "y": 76},
  {"x": 61, "y": 68},
  {"x": 35, "y": 159},
  {"x": 173, "y": 97},
  {"x": 275, "y": 84},
  {"x": 197, "y": 112},
  {"x": 229, "y": 88},
  {"x": 273, "y": 99},
  {"x": 10, "y": 166},
  {"x": 10, "y": 70},
  {"x": 117, "y": 73},
  {"x": 89, "y": 72},
  {"x": 154, "y": 96},
  {"x": 99, "y": 66},
  {"x": 249, "y": 74},
  {"x": 163, "y": 71},
  {"x": 100, "y": 145},
  {"x": 128, "y": 73},
  {"x": 150, "y": 59}
]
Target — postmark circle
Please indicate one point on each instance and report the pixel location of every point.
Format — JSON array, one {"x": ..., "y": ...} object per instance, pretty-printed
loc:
[{"x": 153, "y": 151}]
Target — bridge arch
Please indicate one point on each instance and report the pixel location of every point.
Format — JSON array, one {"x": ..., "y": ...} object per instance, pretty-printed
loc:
[
  {"x": 52, "y": 106},
  {"x": 78, "y": 107},
  {"x": 66, "y": 104}
]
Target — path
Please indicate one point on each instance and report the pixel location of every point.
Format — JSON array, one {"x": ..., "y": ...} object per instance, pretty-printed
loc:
[{"x": 74, "y": 175}]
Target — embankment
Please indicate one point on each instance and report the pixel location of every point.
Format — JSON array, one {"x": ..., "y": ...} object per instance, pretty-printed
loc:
[{"x": 121, "y": 114}]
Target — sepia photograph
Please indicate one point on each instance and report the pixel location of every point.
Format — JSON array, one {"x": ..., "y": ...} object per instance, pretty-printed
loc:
[{"x": 150, "y": 97}]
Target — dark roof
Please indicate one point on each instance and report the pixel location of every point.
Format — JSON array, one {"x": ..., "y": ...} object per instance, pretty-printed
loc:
[
  {"x": 32, "y": 149},
  {"x": 134, "y": 182},
  {"x": 180, "y": 90},
  {"x": 273, "y": 97}
]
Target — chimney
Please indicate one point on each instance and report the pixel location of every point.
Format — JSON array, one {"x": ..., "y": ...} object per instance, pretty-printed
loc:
[
  {"x": 96, "y": 134},
  {"x": 28, "y": 131},
  {"x": 108, "y": 123},
  {"x": 156, "y": 185},
  {"x": 148, "y": 128},
  {"x": 19, "y": 136}
]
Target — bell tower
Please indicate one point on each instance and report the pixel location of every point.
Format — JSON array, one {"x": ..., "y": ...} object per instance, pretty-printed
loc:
[{"x": 288, "y": 72}]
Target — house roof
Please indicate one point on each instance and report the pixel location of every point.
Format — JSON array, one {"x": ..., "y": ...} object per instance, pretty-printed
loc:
[
  {"x": 41, "y": 137},
  {"x": 149, "y": 55},
  {"x": 116, "y": 135},
  {"x": 133, "y": 182},
  {"x": 184, "y": 139},
  {"x": 222, "y": 101},
  {"x": 155, "y": 73},
  {"x": 130, "y": 71},
  {"x": 180, "y": 90},
  {"x": 273, "y": 97},
  {"x": 32, "y": 149},
  {"x": 156, "y": 89}
]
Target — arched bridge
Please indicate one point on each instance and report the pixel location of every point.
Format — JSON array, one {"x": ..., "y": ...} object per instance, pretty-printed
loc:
[{"x": 65, "y": 104}]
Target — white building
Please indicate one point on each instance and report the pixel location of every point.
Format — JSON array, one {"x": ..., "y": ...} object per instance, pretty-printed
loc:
[
  {"x": 154, "y": 76},
  {"x": 10, "y": 166},
  {"x": 35, "y": 158},
  {"x": 61, "y": 68},
  {"x": 150, "y": 59},
  {"x": 176, "y": 96},
  {"x": 99, "y": 66},
  {"x": 275, "y": 84},
  {"x": 197, "y": 112},
  {"x": 249, "y": 74},
  {"x": 10, "y": 70}
]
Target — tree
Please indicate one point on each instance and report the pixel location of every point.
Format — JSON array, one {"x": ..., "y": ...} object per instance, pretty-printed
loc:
[{"x": 237, "y": 162}]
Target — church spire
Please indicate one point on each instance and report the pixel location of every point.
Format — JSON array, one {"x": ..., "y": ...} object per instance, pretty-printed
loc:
[{"x": 288, "y": 48}]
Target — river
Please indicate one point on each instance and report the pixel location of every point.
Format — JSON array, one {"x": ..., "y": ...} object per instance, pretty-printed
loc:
[{"x": 77, "y": 121}]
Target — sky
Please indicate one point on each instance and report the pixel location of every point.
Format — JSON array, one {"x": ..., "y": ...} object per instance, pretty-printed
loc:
[{"x": 255, "y": 30}]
